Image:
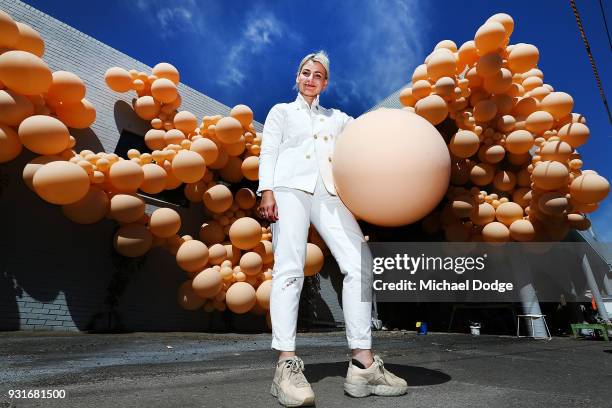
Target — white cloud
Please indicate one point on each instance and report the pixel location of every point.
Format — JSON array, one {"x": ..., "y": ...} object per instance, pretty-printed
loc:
[
  {"x": 261, "y": 33},
  {"x": 173, "y": 17}
]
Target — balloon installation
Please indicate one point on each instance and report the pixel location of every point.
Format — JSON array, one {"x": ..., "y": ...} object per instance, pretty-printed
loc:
[{"x": 513, "y": 168}]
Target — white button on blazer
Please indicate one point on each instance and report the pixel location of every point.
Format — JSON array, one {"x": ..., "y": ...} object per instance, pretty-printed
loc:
[{"x": 298, "y": 143}]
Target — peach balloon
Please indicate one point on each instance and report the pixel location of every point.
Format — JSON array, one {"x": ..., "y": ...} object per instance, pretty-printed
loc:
[
  {"x": 187, "y": 298},
  {"x": 508, "y": 212},
  {"x": 24, "y": 73},
  {"x": 441, "y": 64},
  {"x": 463, "y": 205},
  {"x": 523, "y": 57},
  {"x": 44, "y": 134},
  {"x": 211, "y": 233},
  {"x": 78, "y": 115},
  {"x": 66, "y": 87},
  {"x": 519, "y": 141},
  {"x": 164, "y": 222},
  {"x": 61, "y": 182},
  {"x": 464, "y": 143},
  {"x": 558, "y": 104},
  {"x": 314, "y": 260},
  {"x": 522, "y": 230},
  {"x": 154, "y": 179},
  {"x": 146, "y": 107},
  {"x": 208, "y": 283},
  {"x": 164, "y": 90},
  {"x": 482, "y": 174},
  {"x": 195, "y": 191},
  {"x": 32, "y": 167},
  {"x": 555, "y": 150},
  {"x": 550, "y": 175},
  {"x": 467, "y": 53},
  {"x": 174, "y": 136},
  {"x": 118, "y": 79},
  {"x": 126, "y": 208},
  {"x": 154, "y": 139},
  {"x": 185, "y": 121},
  {"x": 421, "y": 89},
  {"x": 232, "y": 171},
  {"x": 88, "y": 210},
  {"x": 133, "y": 240},
  {"x": 522, "y": 196},
  {"x": 539, "y": 122},
  {"x": 504, "y": 180},
  {"x": 483, "y": 214},
  {"x": 445, "y": 88},
  {"x": 574, "y": 134},
  {"x": 218, "y": 198},
  {"x": 126, "y": 176},
  {"x": 495, "y": 232},
  {"x": 192, "y": 256},
  {"x": 188, "y": 166},
  {"x": 235, "y": 149},
  {"x": 578, "y": 221},
  {"x": 245, "y": 198},
  {"x": 489, "y": 37},
  {"x": 420, "y": 73},
  {"x": 494, "y": 154},
  {"x": 589, "y": 188},
  {"x": 9, "y": 31},
  {"x": 263, "y": 294},
  {"x": 406, "y": 97},
  {"x": 250, "y": 168},
  {"x": 485, "y": 110},
  {"x": 433, "y": 108},
  {"x": 228, "y": 130},
  {"x": 10, "y": 145},
  {"x": 266, "y": 251},
  {"x": 489, "y": 64},
  {"x": 498, "y": 82},
  {"x": 506, "y": 20},
  {"x": 243, "y": 114},
  {"x": 240, "y": 297},
  {"x": 14, "y": 108},
  {"x": 206, "y": 148},
  {"x": 168, "y": 71},
  {"x": 251, "y": 263},
  {"x": 553, "y": 203},
  {"x": 391, "y": 145},
  {"x": 245, "y": 233},
  {"x": 448, "y": 44}
]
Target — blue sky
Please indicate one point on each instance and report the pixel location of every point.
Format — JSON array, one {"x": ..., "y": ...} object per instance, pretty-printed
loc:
[{"x": 247, "y": 51}]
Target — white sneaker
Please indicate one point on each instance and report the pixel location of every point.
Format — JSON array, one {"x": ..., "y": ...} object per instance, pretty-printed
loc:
[
  {"x": 376, "y": 379},
  {"x": 289, "y": 384}
]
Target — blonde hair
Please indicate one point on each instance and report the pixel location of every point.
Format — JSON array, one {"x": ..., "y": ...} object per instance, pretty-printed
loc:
[{"x": 320, "y": 57}]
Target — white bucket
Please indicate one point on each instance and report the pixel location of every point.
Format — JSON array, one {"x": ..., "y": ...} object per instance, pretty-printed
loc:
[{"x": 475, "y": 329}]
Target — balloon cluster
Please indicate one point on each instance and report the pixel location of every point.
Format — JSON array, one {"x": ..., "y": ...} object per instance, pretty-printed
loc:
[{"x": 516, "y": 174}]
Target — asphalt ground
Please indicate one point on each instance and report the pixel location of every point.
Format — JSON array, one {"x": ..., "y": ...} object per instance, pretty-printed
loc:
[{"x": 235, "y": 370}]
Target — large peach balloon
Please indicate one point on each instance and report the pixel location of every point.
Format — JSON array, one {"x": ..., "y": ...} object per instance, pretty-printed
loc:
[
  {"x": 489, "y": 37},
  {"x": 78, "y": 115},
  {"x": 482, "y": 174},
  {"x": 485, "y": 110},
  {"x": 483, "y": 214},
  {"x": 211, "y": 233},
  {"x": 32, "y": 167},
  {"x": 88, "y": 210},
  {"x": 504, "y": 180},
  {"x": 263, "y": 294},
  {"x": 187, "y": 298},
  {"x": 550, "y": 175},
  {"x": 523, "y": 57},
  {"x": 240, "y": 297},
  {"x": 14, "y": 107},
  {"x": 245, "y": 233},
  {"x": 467, "y": 53},
  {"x": 558, "y": 104},
  {"x": 250, "y": 168},
  {"x": 522, "y": 230},
  {"x": 556, "y": 150},
  {"x": 406, "y": 97},
  {"x": 506, "y": 20},
  {"x": 433, "y": 108},
  {"x": 574, "y": 134},
  {"x": 192, "y": 256},
  {"x": 9, "y": 31},
  {"x": 61, "y": 182},
  {"x": 265, "y": 250},
  {"x": 519, "y": 141},
  {"x": 195, "y": 191},
  {"x": 391, "y": 145},
  {"x": 589, "y": 188},
  {"x": 495, "y": 232},
  {"x": 168, "y": 71},
  {"x": 508, "y": 212},
  {"x": 464, "y": 143},
  {"x": 29, "y": 40},
  {"x": 188, "y": 166},
  {"x": 206, "y": 148},
  {"x": 441, "y": 64},
  {"x": 126, "y": 175},
  {"x": 154, "y": 139},
  {"x": 44, "y": 134},
  {"x": 228, "y": 130},
  {"x": 154, "y": 180},
  {"x": 251, "y": 263},
  {"x": 164, "y": 222},
  {"x": 539, "y": 122},
  {"x": 10, "y": 145},
  {"x": 207, "y": 283},
  {"x": 245, "y": 198},
  {"x": 66, "y": 87},
  {"x": 133, "y": 240},
  {"x": 232, "y": 171},
  {"x": 314, "y": 260},
  {"x": 126, "y": 208},
  {"x": 218, "y": 198},
  {"x": 553, "y": 203},
  {"x": 164, "y": 90},
  {"x": 118, "y": 79},
  {"x": 24, "y": 73},
  {"x": 185, "y": 121},
  {"x": 489, "y": 64},
  {"x": 174, "y": 136},
  {"x": 243, "y": 114},
  {"x": 146, "y": 107}
]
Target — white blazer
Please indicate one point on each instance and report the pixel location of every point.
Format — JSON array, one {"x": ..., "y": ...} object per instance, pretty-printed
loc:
[{"x": 298, "y": 143}]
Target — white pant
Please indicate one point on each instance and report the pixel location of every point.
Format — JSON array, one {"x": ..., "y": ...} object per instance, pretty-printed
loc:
[{"x": 338, "y": 228}]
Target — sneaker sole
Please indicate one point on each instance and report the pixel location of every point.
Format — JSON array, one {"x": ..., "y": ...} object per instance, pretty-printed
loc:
[
  {"x": 289, "y": 402},
  {"x": 363, "y": 390}
]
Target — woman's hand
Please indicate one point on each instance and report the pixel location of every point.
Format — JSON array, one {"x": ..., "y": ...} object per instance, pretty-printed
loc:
[{"x": 267, "y": 207}]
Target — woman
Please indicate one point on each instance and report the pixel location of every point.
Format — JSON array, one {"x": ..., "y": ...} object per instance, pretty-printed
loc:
[{"x": 296, "y": 186}]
